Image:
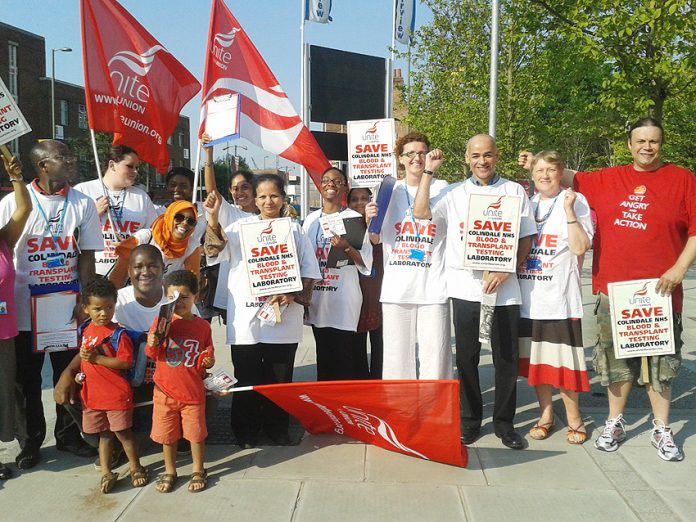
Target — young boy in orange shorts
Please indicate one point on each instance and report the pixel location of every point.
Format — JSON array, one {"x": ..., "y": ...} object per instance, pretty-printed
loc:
[
  {"x": 181, "y": 357},
  {"x": 106, "y": 394}
]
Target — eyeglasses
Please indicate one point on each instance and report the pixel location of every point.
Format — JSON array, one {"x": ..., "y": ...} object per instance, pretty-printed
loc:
[
  {"x": 334, "y": 182},
  {"x": 66, "y": 159},
  {"x": 412, "y": 154},
  {"x": 180, "y": 218}
]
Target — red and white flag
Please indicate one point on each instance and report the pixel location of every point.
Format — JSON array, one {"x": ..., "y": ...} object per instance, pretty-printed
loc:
[
  {"x": 416, "y": 418},
  {"x": 268, "y": 119},
  {"x": 134, "y": 87}
]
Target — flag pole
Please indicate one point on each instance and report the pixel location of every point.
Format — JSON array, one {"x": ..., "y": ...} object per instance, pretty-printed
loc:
[
  {"x": 304, "y": 185},
  {"x": 101, "y": 180},
  {"x": 196, "y": 176},
  {"x": 493, "y": 90},
  {"x": 390, "y": 80}
]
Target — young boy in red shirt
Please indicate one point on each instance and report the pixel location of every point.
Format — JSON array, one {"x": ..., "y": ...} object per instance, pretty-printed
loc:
[
  {"x": 181, "y": 357},
  {"x": 106, "y": 395}
]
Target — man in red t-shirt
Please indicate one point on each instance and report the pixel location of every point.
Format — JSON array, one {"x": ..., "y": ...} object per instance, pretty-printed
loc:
[{"x": 646, "y": 228}]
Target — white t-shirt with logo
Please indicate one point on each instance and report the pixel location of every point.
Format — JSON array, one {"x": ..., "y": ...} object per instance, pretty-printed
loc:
[
  {"x": 243, "y": 325},
  {"x": 550, "y": 279},
  {"x": 464, "y": 283},
  {"x": 56, "y": 243},
  {"x": 337, "y": 298},
  {"x": 409, "y": 279},
  {"x": 131, "y": 209}
]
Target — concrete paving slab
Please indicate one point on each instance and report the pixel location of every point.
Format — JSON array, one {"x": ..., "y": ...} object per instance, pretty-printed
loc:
[
  {"x": 657, "y": 473},
  {"x": 386, "y": 466},
  {"x": 544, "y": 503},
  {"x": 338, "y": 501},
  {"x": 225, "y": 499},
  {"x": 316, "y": 457},
  {"x": 682, "y": 503}
]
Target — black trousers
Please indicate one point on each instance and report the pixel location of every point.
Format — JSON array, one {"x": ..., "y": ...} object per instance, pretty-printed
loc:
[
  {"x": 376, "y": 350},
  {"x": 505, "y": 355},
  {"x": 29, "y": 366},
  {"x": 339, "y": 357},
  {"x": 260, "y": 363}
]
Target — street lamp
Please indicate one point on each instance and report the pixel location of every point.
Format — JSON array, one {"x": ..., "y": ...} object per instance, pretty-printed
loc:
[{"x": 53, "y": 86}]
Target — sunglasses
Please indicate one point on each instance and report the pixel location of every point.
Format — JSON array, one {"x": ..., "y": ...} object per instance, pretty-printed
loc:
[{"x": 179, "y": 218}]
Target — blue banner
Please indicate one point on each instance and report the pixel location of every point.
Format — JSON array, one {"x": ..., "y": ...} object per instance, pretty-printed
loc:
[{"x": 405, "y": 22}]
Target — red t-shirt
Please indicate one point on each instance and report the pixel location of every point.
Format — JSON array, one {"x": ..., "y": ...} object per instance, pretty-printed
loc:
[
  {"x": 644, "y": 220},
  {"x": 105, "y": 388},
  {"x": 178, "y": 369}
]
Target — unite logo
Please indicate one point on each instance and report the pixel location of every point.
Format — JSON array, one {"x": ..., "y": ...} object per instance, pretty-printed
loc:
[
  {"x": 371, "y": 133},
  {"x": 133, "y": 93},
  {"x": 493, "y": 210},
  {"x": 267, "y": 236},
  {"x": 221, "y": 41},
  {"x": 640, "y": 189},
  {"x": 639, "y": 296}
]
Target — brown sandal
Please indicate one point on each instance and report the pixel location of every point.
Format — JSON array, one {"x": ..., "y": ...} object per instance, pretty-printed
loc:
[
  {"x": 139, "y": 477},
  {"x": 165, "y": 482},
  {"x": 575, "y": 436},
  {"x": 198, "y": 478},
  {"x": 541, "y": 431},
  {"x": 108, "y": 482}
]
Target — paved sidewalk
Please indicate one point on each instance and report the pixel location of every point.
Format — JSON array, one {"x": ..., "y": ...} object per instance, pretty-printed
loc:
[{"x": 331, "y": 478}]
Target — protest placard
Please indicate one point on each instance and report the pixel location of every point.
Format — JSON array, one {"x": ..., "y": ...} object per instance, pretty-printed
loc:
[
  {"x": 270, "y": 255},
  {"x": 12, "y": 122},
  {"x": 641, "y": 319},
  {"x": 492, "y": 232},
  {"x": 371, "y": 156}
]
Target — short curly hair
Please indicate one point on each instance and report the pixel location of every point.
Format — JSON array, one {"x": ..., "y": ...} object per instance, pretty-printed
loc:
[{"x": 409, "y": 138}]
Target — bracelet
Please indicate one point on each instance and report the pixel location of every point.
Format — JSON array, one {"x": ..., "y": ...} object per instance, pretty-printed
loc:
[
  {"x": 347, "y": 250},
  {"x": 428, "y": 172},
  {"x": 17, "y": 180},
  {"x": 571, "y": 222}
]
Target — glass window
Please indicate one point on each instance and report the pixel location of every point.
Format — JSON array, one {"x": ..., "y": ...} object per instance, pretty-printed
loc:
[
  {"x": 12, "y": 48},
  {"x": 63, "y": 113},
  {"x": 82, "y": 116}
]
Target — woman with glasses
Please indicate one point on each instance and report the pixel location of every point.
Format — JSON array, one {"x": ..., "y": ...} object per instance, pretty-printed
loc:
[
  {"x": 262, "y": 352},
  {"x": 123, "y": 208},
  {"x": 172, "y": 234},
  {"x": 334, "y": 310},
  {"x": 415, "y": 310}
]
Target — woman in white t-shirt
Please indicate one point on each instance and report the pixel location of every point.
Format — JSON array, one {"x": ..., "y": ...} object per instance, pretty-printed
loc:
[
  {"x": 336, "y": 300},
  {"x": 415, "y": 308},
  {"x": 262, "y": 352},
  {"x": 551, "y": 347},
  {"x": 119, "y": 203}
]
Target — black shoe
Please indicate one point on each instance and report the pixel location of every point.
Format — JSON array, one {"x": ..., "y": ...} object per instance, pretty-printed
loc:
[
  {"x": 511, "y": 439},
  {"x": 5, "y": 472},
  {"x": 27, "y": 458},
  {"x": 469, "y": 435},
  {"x": 79, "y": 448}
]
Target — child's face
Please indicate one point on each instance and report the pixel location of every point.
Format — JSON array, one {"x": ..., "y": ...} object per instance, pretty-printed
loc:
[
  {"x": 185, "y": 302},
  {"x": 100, "y": 309}
]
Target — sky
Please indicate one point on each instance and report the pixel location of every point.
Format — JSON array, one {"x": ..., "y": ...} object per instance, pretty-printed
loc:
[{"x": 361, "y": 26}]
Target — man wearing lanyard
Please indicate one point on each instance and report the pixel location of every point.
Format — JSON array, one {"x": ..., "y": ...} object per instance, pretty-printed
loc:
[
  {"x": 466, "y": 288},
  {"x": 55, "y": 250}
]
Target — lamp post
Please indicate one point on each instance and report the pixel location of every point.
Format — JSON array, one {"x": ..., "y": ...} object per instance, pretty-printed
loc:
[
  {"x": 53, "y": 87},
  {"x": 264, "y": 162}
]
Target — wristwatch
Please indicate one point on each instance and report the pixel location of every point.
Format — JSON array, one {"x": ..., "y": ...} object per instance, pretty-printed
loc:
[{"x": 428, "y": 172}]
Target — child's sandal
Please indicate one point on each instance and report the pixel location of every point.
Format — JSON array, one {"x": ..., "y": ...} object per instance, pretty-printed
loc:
[
  {"x": 198, "y": 478},
  {"x": 139, "y": 477},
  {"x": 165, "y": 482},
  {"x": 108, "y": 482}
]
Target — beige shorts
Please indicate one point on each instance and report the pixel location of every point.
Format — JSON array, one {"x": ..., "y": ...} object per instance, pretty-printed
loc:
[
  {"x": 171, "y": 419},
  {"x": 663, "y": 368},
  {"x": 97, "y": 421}
]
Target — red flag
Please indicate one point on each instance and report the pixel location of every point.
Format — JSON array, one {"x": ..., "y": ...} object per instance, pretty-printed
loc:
[
  {"x": 416, "y": 418},
  {"x": 134, "y": 87},
  {"x": 268, "y": 119}
]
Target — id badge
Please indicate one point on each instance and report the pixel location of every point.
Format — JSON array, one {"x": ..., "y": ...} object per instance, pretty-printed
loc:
[
  {"x": 533, "y": 263},
  {"x": 417, "y": 255},
  {"x": 3, "y": 307},
  {"x": 56, "y": 261}
]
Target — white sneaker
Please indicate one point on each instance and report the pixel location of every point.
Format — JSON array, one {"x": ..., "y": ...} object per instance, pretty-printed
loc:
[
  {"x": 661, "y": 438},
  {"x": 613, "y": 434}
]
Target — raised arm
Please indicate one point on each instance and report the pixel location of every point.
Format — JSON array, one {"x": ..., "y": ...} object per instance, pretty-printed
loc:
[
  {"x": 209, "y": 167},
  {"x": 421, "y": 205},
  {"x": 578, "y": 240},
  {"x": 15, "y": 226}
]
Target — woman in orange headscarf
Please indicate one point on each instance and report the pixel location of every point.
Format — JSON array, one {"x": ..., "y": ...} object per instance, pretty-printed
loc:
[{"x": 171, "y": 234}]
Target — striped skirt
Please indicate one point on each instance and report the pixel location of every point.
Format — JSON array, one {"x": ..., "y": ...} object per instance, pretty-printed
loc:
[{"x": 551, "y": 352}]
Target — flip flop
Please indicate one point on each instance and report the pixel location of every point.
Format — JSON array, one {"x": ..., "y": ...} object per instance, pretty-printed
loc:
[
  {"x": 165, "y": 482},
  {"x": 108, "y": 482},
  {"x": 139, "y": 477},
  {"x": 575, "y": 436},
  {"x": 198, "y": 478},
  {"x": 541, "y": 431}
]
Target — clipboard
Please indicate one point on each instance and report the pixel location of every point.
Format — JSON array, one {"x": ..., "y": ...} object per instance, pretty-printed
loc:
[
  {"x": 384, "y": 194},
  {"x": 54, "y": 329},
  {"x": 222, "y": 118},
  {"x": 355, "y": 235}
]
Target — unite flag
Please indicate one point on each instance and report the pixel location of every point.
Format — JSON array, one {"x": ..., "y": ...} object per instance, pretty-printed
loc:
[
  {"x": 415, "y": 418},
  {"x": 405, "y": 22},
  {"x": 267, "y": 118},
  {"x": 133, "y": 86}
]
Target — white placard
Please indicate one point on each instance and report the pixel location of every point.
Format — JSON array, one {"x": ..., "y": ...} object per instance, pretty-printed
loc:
[
  {"x": 270, "y": 254},
  {"x": 492, "y": 232},
  {"x": 12, "y": 122},
  {"x": 371, "y": 151},
  {"x": 55, "y": 328},
  {"x": 220, "y": 382},
  {"x": 641, "y": 319},
  {"x": 222, "y": 118},
  {"x": 332, "y": 225}
]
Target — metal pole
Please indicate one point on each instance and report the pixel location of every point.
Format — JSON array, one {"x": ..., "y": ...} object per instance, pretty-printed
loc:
[
  {"x": 53, "y": 95},
  {"x": 390, "y": 69},
  {"x": 493, "y": 90},
  {"x": 304, "y": 185}
]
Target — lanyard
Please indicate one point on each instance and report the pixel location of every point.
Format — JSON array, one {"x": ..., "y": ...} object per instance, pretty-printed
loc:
[
  {"x": 115, "y": 211},
  {"x": 48, "y": 222},
  {"x": 540, "y": 223},
  {"x": 413, "y": 219}
]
